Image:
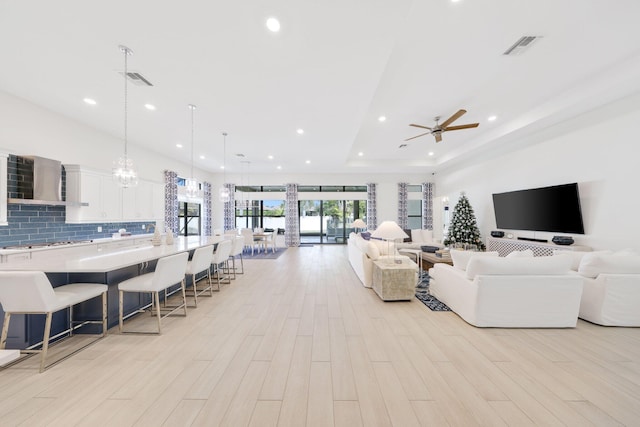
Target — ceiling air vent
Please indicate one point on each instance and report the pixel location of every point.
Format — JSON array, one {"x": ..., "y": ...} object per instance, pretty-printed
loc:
[
  {"x": 521, "y": 45},
  {"x": 137, "y": 78}
]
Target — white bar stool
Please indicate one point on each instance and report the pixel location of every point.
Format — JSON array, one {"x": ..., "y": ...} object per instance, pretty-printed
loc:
[
  {"x": 219, "y": 258},
  {"x": 236, "y": 251},
  {"x": 200, "y": 261},
  {"x": 169, "y": 271},
  {"x": 30, "y": 292}
]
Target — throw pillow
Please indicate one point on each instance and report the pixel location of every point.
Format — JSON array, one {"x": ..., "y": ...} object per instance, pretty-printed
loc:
[
  {"x": 365, "y": 235},
  {"x": 407, "y": 239},
  {"x": 547, "y": 265},
  {"x": 385, "y": 248},
  {"x": 416, "y": 235},
  {"x": 372, "y": 251},
  {"x": 577, "y": 256},
  {"x": 527, "y": 253},
  {"x": 594, "y": 264},
  {"x": 427, "y": 235},
  {"x": 461, "y": 258}
]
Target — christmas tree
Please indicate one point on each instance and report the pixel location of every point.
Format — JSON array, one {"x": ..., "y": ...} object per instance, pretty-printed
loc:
[{"x": 463, "y": 228}]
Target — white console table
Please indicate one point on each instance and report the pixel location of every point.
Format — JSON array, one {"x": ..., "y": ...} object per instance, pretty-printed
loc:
[{"x": 506, "y": 246}]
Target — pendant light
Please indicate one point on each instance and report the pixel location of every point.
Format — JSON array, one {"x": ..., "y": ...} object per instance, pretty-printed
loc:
[
  {"x": 244, "y": 205},
  {"x": 123, "y": 172},
  {"x": 224, "y": 191},
  {"x": 191, "y": 184}
]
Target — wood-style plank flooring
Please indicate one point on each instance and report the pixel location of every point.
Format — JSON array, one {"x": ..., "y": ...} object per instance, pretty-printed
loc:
[{"x": 298, "y": 341}]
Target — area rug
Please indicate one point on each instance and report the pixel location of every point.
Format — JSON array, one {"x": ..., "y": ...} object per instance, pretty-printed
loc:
[
  {"x": 422, "y": 293},
  {"x": 264, "y": 255}
]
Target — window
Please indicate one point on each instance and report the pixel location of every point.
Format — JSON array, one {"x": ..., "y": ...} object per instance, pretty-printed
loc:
[
  {"x": 189, "y": 219},
  {"x": 414, "y": 210}
]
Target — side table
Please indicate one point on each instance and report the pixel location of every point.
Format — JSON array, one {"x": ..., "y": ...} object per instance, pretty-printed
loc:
[{"x": 393, "y": 282}]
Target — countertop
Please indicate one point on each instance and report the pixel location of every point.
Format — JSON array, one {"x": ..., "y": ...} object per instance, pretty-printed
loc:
[{"x": 94, "y": 261}]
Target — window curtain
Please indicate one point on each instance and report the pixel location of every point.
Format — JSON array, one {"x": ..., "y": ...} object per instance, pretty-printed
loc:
[
  {"x": 206, "y": 207},
  {"x": 403, "y": 205},
  {"x": 171, "y": 201},
  {"x": 372, "y": 209},
  {"x": 291, "y": 219},
  {"x": 230, "y": 208},
  {"x": 428, "y": 189}
]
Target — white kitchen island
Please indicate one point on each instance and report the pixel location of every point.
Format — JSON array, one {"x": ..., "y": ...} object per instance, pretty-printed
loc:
[{"x": 92, "y": 263}]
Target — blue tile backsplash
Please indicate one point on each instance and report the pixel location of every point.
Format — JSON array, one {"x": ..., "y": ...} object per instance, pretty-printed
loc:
[{"x": 38, "y": 223}]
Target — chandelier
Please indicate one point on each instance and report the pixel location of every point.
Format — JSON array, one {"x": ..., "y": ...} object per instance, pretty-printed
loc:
[
  {"x": 224, "y": 190},
  {"x": 191, "y": 184},
  {"x": 123, "y": 172}
]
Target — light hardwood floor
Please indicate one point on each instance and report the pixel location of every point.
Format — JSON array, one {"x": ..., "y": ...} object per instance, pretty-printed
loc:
[{"x": 298, "y": 341}]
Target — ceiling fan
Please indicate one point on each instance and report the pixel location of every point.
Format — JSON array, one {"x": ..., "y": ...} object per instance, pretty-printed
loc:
[{"x": 444, "y": 127}]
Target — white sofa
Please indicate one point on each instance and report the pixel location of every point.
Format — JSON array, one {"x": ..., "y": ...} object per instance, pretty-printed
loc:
[
  {"x": 611, "y": 295},
  {"x": 518, "y": 292},
  {"x": 363, "y": 252}
]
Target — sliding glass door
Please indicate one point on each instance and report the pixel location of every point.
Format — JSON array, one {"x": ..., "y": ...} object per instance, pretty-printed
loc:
[{"x": 328, "y": 221}]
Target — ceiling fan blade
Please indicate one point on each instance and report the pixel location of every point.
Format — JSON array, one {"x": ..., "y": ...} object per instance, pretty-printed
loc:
[
  {"x": 453, "y": 118},
  {"x": 469, "y": 126},
  {"x": 419, "y": 126},
  {"x": 418, "y": 136},
  {"x": 438, "y": 137}
]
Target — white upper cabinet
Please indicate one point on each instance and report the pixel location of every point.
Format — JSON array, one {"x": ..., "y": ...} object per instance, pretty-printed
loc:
[{"x": 107, "y": 201}]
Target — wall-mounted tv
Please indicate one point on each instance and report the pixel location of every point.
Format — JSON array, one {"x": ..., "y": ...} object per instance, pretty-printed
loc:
[{"x": 554, "y": 209}]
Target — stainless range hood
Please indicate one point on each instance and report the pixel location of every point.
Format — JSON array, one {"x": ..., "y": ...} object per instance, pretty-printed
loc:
[{"x": 40, "y": 184}]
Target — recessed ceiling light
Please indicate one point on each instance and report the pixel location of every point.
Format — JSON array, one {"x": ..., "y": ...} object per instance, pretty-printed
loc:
[
  {"x": 279, "y": 167},
  {"x": 492, "y": 118},
  {"x": 455, "y": 1},
  {"x": 273, "y": 25},
  {"x": 270, "y": 157},
  {"x": 300, "y": 131},
  {"x": 179, "y": 145},
  {"x": 361, "y": 154},
  {"x": 150, "y": 107},
  {"x": 382, "y": 118},
  {"x": 90, "y": 101},
  {"x": 222, "y": 167},
  {"x": 431, "y": 153},
  {"x": 308, "y": 161},
  {"x": 201, "y": 157}
]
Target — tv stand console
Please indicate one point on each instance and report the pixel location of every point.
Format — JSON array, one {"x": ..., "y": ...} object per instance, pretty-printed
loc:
[{"x": 506, "y": 246}]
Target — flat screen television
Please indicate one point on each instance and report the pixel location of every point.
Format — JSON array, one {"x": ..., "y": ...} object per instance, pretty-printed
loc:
[{"x": 554, "y": 209}]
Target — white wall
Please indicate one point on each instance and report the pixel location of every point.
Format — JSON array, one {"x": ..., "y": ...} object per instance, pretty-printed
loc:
[
  {"x": 27, "y": 129},
  {"x": 600, "y": 153},
  {"x": 387, "y": 188}
]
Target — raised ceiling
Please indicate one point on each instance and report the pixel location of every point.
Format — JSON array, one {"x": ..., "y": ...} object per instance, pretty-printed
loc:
[{"x": 333, "y": 69}]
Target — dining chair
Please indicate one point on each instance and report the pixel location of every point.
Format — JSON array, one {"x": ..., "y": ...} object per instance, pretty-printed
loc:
[
  {"x": 170, "y": 270},
  {"x": 249, "y": 242},
  {"x": 31, "y": 292}
]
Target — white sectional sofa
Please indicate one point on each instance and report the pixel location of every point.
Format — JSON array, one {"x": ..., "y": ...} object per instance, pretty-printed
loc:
[
  {"x": 363, "y": 252},
  {"x": 420, "y": 238},
  {"x": 611, "y": 295},
  {"x": 515, "y": 292}
]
